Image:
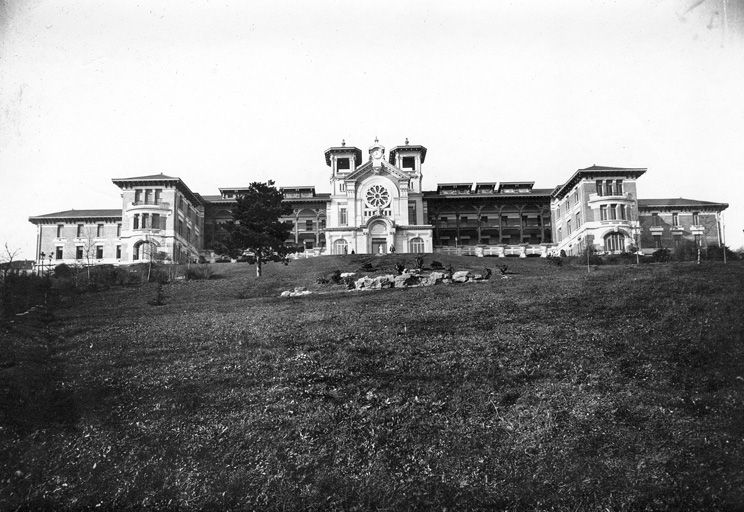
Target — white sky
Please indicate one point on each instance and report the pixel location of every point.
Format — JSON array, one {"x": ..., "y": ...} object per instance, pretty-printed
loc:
[{"x": 225, "y": 93}]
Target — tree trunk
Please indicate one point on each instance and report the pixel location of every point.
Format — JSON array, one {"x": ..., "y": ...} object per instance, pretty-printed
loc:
[{"x": 258, "y": 265}]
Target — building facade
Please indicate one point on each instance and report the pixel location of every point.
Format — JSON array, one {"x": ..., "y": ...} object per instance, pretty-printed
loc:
[{"x": 377, "y": 205}]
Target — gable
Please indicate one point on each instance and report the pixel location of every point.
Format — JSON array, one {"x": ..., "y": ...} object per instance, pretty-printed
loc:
[{"x": 365, "y": 170}]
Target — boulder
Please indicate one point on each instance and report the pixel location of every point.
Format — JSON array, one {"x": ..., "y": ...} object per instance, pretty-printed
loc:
[
  {"x": 406, "y": 280},
  {"x": 347, "y": 274},
  {"x": 285, "y": 293},
  {"x": 461, "y": 276},
  {"x": 363, "y": 282},
  {"x": 386, "y": 281}
]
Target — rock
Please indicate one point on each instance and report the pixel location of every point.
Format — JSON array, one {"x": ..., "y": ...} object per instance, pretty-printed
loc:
[
  {"x": 477, "y": 277},
  {"x": 386, "y": 281},
  {"x": 406, "y": 280},
  {"x": 461, "y": 276},
  {"x": 347, "y": 274},
  {"x": 437, "y": 275},
  {"x": 364, "y": 282},
  {"x": 285, "y": 293}
]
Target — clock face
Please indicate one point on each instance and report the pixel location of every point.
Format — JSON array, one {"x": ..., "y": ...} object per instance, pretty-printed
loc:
[{"x": 377, "y": 153}]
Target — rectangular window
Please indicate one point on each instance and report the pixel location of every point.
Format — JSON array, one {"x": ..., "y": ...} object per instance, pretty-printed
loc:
[
  {"x": 675, "y": 219},
  {"x": 463, "y": 220},
  {"x": 568, "y": 227},
  {"x": 578, "y": 219},
  {"x": 156, "y": 221},
  {"x": 99, "y": 252},
  {"x": 79, "y": 252},
  {"x": 698, "y": 239},
  {"x": 137, "y": 196},
  {"x": 342, "y": 220},
  {"x": 188, "y": 234},
  {"x": 603, "y": 212},
  {"x": 613, "y": 212},
  {"x": 484, "y": 220},
  {"x": 524, "y": 221},
  {"x": 342, "y": 187},
  {"x": 621, "y": 211},
  {"x": 409, "y": 162},
  {"x": 308, "y": 225},
  {"x": 99, "y": 230},
  {"x": 79, "y": 230},
  {"x": 343, "y": 164},
  {"x": 148, "y": 196},
  {"x": 59, "y": 230},
  {"x": 504, "y": 220},
  {"x": 657, "y": 242},
  {"x": 157, "y": 195},
  {"x": 599, "y": 187},
  {"x": 135, "y": 222},
  {"x": 560, "y": 235},
  {"x": 619, "y": 187},
  {"x": 58, "y": 253},
  {"x": 118, "y": 252},
  {"x": 322, "y": 223},
  {"x": 576, "y": 197},
  {"x": 118, "y": 229},
  {"x": 412, "y": 212},
  {"x": 443, "y": 220},
  {"x": 145, "y": 221},
  {"x": 655, "y": 219},
  {"x": 608, "y": 188},
  {"x": 695, "y": 219}
]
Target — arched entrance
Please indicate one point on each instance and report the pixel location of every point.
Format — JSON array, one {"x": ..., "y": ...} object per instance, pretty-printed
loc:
[{"x": 378, "y": 237}]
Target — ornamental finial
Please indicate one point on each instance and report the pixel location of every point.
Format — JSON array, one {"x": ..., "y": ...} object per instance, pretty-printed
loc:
[
  {"x": 406, "y": 141},
  {"x": 376, "y": 141},
  {"x": 343, "y": 142}
]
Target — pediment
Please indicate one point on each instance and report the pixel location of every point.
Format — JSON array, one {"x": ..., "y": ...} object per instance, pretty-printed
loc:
[{"x": 386, "y": 169}]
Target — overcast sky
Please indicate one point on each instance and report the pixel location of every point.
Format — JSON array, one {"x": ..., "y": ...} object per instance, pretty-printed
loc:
[{"x": 225, "y": 93}]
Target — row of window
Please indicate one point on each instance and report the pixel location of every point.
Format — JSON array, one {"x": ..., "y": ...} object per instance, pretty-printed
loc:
[
  {"x": 656, "y": 221},
  {"x": 148, "y": 221},
  {"x": 613, "y": 212},
  {"x": 676, "y": 239},
  {"x": 93, "y": 253},
  {"x": 147, "y": 196},
  {"x": 80, "y": 231},
  {"x": 506, "y": 221},
  {"x": 609, "y": 187}
]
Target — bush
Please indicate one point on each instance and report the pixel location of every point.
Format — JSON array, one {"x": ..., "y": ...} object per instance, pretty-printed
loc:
[
  {"x": 399, "y": 268},
  {"x": 661, "y": 255},
  {"x": 62, "y": 271},
  {"x": 419, "y": 262},
  {"x": 197, "y": 272},
  {"x": 436, "y": 265},
  {"x": 554, "y": 260},
  {"x": 367, "y": 267}
]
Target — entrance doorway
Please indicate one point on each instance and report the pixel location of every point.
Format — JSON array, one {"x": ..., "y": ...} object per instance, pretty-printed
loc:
[{"x": 379, "y": 246}]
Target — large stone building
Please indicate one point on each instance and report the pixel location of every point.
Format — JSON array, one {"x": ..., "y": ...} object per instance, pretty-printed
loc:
[{"x": 377, "y": 205}]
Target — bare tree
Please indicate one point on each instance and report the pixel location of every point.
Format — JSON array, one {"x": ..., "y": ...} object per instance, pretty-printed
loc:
[{"x": 7, "y": 256}]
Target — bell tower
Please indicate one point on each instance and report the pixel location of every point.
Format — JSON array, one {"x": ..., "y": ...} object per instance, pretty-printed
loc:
[
  {"x": 343, "y": 159},
  {"x": 409, "y": 158}
]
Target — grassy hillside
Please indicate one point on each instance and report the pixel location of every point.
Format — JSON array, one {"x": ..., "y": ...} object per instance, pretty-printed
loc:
[{"x": 620, "y": 389}]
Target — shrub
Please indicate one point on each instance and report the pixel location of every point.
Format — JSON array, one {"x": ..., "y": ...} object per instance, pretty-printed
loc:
[
  {"x": 661, "y": 255},
  {"x": 159, "y": 299},
  {"x": 336, "y": 277},
  {"x": 419, "y": 262},
  {"x": 399, "y": 268},
  {"x": 367, "y": 267},
  {"x": 436, "y": 265},
  {"x": 554, "y": 260},
  {"x": 62, "y": 271},
  {"x": 198, "y": 272}
]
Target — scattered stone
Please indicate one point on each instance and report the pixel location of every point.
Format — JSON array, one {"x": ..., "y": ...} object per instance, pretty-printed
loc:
[
  {"x": 347, "y": 274},
  {"x": 461, "y": 276}
]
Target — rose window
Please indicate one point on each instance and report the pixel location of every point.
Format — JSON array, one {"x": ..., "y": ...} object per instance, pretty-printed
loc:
[{"x": 377, "y": 196}]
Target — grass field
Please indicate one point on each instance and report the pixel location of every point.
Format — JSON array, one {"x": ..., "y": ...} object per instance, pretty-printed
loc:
[{"x": 618, "y": 389}]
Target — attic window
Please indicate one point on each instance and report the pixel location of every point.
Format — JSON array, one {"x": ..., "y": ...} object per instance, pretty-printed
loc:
[
  {"x": 409, "y": 162},
  {"x": 342, "y": 163}
]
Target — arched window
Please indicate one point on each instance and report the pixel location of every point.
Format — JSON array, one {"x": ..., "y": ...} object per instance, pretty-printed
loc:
[
  {"x": 416, "y": 245},
  {"x": 614, "y": 242},
  {"x": 340, "y": 246}
]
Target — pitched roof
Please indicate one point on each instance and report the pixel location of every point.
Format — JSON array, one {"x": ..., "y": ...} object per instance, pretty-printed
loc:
[
  {"x": 79, "y": 214},
  {"x": 679, "y": 202},
  {"x": 596, "y": 171},
  {"x": 153, "y": 177}
]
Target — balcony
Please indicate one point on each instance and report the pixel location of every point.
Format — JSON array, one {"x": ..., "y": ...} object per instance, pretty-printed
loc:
[
  {"x": 595, "y": 198},
  {"x": 149, "y": 205}
]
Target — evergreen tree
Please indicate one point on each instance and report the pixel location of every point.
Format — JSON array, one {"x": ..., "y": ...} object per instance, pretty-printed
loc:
[{"x": 256, "y": 226}]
